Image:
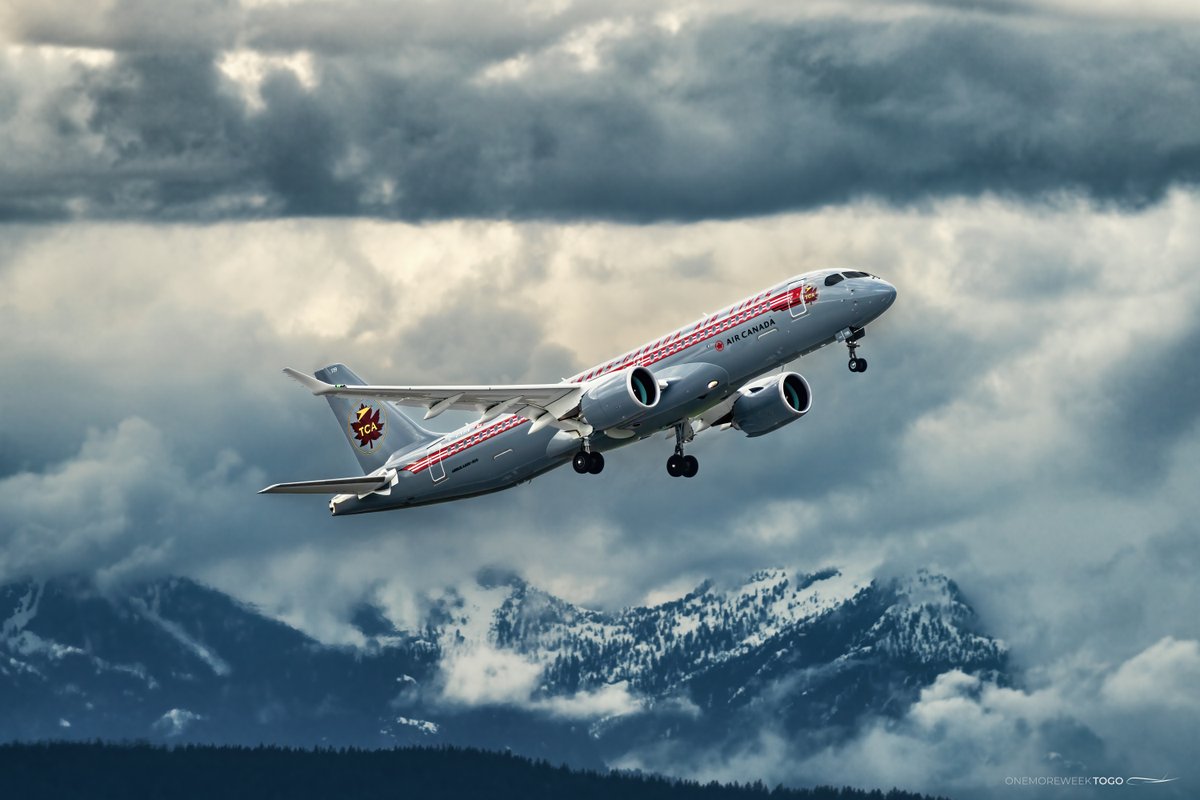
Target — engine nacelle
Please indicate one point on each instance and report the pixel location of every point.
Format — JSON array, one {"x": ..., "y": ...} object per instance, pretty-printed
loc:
[
  {"x": 619, "y": 399},
  {"x": 768, "y": 404}
]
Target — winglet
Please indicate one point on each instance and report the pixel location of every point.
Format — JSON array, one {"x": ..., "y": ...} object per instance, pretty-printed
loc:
[{"x": 308, "y": 381}]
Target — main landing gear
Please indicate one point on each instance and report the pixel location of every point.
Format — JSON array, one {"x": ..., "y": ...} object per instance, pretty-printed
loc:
[
  {"x": 586, "y": 461},
  {"x": 851, "y": 337},
  {"x": 680, "y": 464}
]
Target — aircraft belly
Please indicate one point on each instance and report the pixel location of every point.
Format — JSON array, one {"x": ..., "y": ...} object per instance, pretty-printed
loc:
[
  {"x": 497, "y": 464},
  {"x": 691, "y": 389}
]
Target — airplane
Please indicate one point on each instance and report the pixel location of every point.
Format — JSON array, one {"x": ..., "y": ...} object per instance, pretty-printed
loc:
[{"x": 717, "y": 373}]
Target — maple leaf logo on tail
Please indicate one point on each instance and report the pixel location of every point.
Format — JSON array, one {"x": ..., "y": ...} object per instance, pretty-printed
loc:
[{"x": 366, "y": 426}]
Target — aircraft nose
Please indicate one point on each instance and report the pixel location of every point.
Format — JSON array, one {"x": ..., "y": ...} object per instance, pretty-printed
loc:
[{"x": 888, "y": 292}]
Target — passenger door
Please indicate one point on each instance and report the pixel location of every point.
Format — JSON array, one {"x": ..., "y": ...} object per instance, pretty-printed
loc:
[{"x": 797, "y": 299}]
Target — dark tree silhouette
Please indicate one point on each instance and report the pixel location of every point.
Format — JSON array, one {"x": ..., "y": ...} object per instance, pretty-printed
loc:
[{"x": 140, "y": 770}]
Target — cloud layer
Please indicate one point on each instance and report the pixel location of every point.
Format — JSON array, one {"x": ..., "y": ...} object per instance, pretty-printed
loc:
[
  {"x": 969, "y": 737},
  {"x": 625, "y": 114}
]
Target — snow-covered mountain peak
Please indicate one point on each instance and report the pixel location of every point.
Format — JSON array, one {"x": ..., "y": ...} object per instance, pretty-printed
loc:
[
  {"x": 174, "y": 659},
  {"x": 928, "y": 588},
  {"x": 929, "y": 621},
  {"x": 650, "y": 647}
]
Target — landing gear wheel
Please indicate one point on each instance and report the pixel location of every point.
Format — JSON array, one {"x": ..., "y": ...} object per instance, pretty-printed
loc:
[
  {"x": 862, "y": 364},
  {"x": 675, "y": 465},
  {"x": 691, "y": 465},
  {"x": 595, "y": 463},
  {"x": 581, "y": 462},
  {"x": 854, "y": 365}
]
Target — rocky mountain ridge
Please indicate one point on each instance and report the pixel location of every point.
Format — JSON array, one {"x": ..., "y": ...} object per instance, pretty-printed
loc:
[{"x": 497, "y": 663}]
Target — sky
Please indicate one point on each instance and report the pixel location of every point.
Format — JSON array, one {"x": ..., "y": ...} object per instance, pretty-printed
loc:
[{"x": 196, "y": 194}]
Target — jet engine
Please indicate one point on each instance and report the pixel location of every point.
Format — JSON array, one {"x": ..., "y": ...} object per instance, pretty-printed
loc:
[
  {"x": 768, "y": 404},
  {"x": 619, "y": 399}
]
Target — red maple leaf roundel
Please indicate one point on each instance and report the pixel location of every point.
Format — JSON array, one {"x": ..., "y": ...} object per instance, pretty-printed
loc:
[{"x": 366, "y": 426}]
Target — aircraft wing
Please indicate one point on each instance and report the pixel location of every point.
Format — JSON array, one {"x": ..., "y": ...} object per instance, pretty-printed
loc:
[
  {"x": 362, "y": 484},
  {"x": 544, "y": 403}
]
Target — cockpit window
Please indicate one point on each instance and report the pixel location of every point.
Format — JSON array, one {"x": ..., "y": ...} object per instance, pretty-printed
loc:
[
  {"x": 850, "y": 274},
  {"x": 835, "y": 278}
]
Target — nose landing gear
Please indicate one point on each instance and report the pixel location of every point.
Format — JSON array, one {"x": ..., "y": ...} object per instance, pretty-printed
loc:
[
  {"x": 680, "y": 464},
  {"x": 856, "y": 364},
  {"x": 851, "y": 336}
]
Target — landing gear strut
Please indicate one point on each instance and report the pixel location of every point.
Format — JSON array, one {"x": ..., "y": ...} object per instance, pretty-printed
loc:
[
  {"x": 680, "y": 464},
  {"x": 586, "y": 461},
  {"x": 851, "y": 337}
]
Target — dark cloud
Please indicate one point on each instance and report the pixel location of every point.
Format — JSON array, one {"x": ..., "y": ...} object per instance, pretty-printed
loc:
[
  {"x": 1151, "y": 402},
  {"x": 727, "y": 117},
  {"x": 128, "y": 25}
]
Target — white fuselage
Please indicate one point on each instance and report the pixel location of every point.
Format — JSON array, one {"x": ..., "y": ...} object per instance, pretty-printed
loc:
[{"x": 718, "y": 354}]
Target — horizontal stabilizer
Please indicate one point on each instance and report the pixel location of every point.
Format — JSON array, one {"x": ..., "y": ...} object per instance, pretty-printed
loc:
[
  {"x": 307, "y": 381},
  {"x": 363, "y": 484}
]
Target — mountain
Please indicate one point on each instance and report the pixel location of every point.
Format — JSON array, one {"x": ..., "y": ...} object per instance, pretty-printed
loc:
[
  {"x": 498, "y": 663},
  {"x": 170, "y": 658}
]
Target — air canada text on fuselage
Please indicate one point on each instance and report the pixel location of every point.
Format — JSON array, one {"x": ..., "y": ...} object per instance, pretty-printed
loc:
[{"x": 748, "y": 332}]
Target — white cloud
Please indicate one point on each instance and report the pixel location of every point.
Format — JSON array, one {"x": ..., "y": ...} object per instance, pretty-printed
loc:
[
  {"x": 1165, "y": 675},
  {"x": 610, "y": 700},
  {"x": 480, "y": 674},
  {"x": 248, "y": 68},
  {"x": 125, "y": 503},
  {"x": 962, "y": 735},
  {"x": 85, "y": 504}
]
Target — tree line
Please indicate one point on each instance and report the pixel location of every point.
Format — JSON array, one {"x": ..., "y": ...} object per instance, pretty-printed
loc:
[{"x": 135, "y": 770}]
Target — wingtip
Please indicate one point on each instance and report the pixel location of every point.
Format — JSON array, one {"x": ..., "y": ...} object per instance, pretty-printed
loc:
[{"x": 314, "y": 385}]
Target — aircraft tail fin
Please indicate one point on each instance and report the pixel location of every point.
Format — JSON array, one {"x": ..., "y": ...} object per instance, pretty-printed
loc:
[{"x": 374, "y": 428}]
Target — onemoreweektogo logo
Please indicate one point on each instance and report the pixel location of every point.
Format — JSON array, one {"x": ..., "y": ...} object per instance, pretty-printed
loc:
[
  {"x": 366, "y": 426},
  {"x": 1084, "y": 780}
]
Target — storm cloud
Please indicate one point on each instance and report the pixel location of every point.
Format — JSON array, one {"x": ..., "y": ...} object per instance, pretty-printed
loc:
[{"x": 633, "y": 116}]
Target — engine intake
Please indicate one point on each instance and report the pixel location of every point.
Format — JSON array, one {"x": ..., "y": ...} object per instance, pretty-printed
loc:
[
  {"x": 619, "y": 399},
  {"x": 770, "y": 403}
]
